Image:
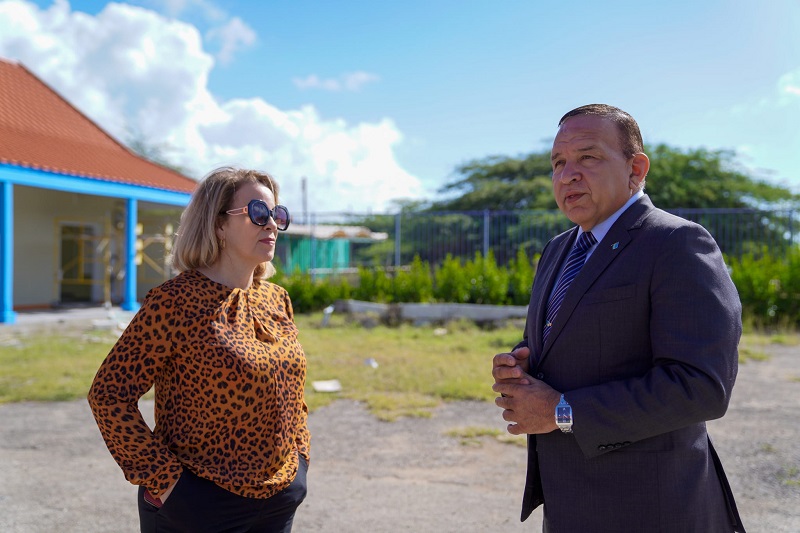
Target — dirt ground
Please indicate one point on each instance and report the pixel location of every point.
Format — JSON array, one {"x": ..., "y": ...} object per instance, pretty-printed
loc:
[{"x": 409, "y": 475}]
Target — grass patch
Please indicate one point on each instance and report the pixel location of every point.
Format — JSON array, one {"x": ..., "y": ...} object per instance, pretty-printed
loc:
[
  {"x": 747, "y": 353},
  {"x": 417, "y": 367},
  {"x": 516, "y": 440},
  {"x": 753, "y": 344},
  {"x": 472, "y": 435},
  {"x": 790, "y": 476},
  {"x": 783, "y": 337},
  {"x": 50, "y": 367},
  {"x": 473, "y": 432},
  {"x": 767, "y": 448},
  {"x": 390, "y": 406}
]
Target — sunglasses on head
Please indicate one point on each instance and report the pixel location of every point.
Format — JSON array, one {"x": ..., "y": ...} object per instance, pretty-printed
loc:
[{"x": 260, "y": 214}]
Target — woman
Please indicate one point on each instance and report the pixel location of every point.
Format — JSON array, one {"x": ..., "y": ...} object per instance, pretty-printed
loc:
[{"x": 230, "y": 447}]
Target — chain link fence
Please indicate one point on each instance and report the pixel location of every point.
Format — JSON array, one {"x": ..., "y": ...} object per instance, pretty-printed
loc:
[{"x": 392, "y": 241}]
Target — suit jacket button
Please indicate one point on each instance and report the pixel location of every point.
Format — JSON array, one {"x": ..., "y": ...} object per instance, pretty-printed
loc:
[
  {"x": 540, "y": 375},
  {"x": 601, "y": 448}
]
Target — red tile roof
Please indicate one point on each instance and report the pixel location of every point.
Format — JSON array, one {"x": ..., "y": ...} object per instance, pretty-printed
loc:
[{"x": 39, "y": 129}]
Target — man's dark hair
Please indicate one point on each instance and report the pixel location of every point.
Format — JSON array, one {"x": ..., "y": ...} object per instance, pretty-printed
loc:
[{"x": 630, "y": 138}]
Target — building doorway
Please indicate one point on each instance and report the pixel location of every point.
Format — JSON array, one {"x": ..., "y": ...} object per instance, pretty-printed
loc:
[{"x": 77, "y": 264}]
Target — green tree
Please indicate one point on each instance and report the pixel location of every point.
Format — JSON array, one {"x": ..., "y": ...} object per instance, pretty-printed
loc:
[
  {"x": 691, "y": 178},
  {"x": 518, "y": 193},
  {"x": 500, "y": 183},
  {"x": 679, "y": 179},
  {"x": 700, "y": 178}
]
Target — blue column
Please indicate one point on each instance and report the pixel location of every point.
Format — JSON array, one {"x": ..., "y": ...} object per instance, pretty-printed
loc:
[
  {"x": 7, "y": 314},
  {"x": 129, "y": 302}
]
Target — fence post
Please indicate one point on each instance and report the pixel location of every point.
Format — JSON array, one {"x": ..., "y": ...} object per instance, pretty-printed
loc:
[
  {"x": 485, "y": 232},
  {"x": 313, "y": 262},
  {"x": 397, "y": 240}
]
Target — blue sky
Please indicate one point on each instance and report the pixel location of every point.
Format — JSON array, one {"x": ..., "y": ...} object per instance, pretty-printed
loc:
[{"x": 373, "y": 101}]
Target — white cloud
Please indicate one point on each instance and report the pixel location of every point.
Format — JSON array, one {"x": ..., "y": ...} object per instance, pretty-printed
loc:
[
  {"x": 175, "y": 8},
  {"x": 312, "y": 81},
  {"x": 230, "y": 33},
  {"x": 789, "y": 84},
  {"x": 234, "y": 35},
  {"x": 131, "y": 69},
  {"x": 351, "y": 81},
  {"x": 355, "y": 80}
]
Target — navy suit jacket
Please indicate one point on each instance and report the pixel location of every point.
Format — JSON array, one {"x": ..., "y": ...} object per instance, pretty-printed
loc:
[{"x": 644, "y": 347}]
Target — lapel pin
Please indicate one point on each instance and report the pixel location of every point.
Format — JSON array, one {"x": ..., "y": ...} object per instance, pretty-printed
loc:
[{"x": 615, "y": 246}]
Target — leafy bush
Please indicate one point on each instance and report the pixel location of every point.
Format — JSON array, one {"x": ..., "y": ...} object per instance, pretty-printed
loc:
[
  {"x": 789, "y": 305},
  {"x": 451, "y": 282},
  {"x": 488, "y": 284},
  {"x": 414, "y": 284},
  {"x": 755, "y": 279},
  {"x": 769, "y": 287},
  {"x": 310, "y": 295},
  {"x": 373, "y": 285},
  {"x": 520, "y": 279}
]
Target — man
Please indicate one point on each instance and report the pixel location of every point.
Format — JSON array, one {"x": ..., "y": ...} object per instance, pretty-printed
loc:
[{"x": 633, "y": 338}]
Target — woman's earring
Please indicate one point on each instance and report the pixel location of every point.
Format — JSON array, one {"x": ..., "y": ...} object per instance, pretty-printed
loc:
[{"x": 222, "y": 244}]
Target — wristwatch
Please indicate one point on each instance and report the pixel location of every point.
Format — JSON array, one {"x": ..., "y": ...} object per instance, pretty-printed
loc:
[{"x": 564, "y": 416}]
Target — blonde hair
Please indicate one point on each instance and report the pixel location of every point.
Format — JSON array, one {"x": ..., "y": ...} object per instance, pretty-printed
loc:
[{"x": 196, "y": 244}]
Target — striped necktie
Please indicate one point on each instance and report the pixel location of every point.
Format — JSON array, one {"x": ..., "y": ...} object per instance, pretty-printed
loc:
[{"x": 575, "y": 261}]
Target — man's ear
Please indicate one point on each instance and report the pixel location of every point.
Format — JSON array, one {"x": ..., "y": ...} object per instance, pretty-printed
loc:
[{"x": 640, "y": 165}]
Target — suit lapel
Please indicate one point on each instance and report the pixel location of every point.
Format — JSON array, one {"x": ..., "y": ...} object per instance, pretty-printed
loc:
[{"x": 607, "y": 250}]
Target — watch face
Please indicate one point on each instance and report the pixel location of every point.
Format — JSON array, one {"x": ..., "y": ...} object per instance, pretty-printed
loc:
[{"x": 563, "y": 415}]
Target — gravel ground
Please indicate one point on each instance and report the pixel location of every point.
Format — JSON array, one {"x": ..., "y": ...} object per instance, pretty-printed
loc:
[{"x": 409, "y": 475}]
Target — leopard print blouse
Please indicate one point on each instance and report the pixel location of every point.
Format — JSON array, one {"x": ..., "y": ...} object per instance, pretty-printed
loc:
[{"x": 229, "y": 379}]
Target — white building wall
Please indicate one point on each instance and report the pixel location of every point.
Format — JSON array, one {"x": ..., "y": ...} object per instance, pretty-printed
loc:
[
  {"x": 38, "y": 217},
  {"x": 38, "y": 214}
]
